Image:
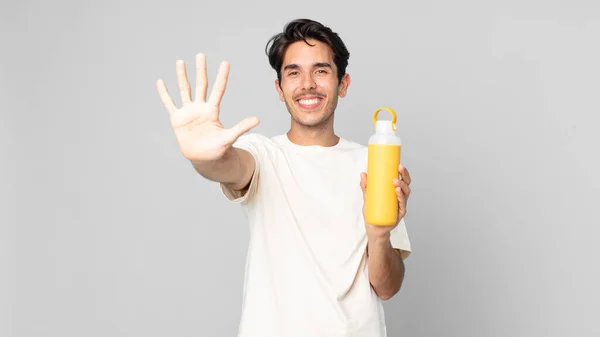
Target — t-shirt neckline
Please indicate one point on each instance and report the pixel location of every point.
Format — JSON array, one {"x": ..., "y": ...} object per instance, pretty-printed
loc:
[{"x": 284, "y": 140}]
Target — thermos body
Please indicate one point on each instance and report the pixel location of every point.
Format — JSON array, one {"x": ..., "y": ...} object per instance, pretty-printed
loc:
[{"x": 384, "y": 150}]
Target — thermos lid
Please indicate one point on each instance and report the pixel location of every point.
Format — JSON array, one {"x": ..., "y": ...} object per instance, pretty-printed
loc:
[{"x": 385, "y": 126}]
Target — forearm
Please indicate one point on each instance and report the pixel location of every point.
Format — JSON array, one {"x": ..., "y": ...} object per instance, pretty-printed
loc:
[
  {"x": 234, "y": 169},
  {"x": 386, "y": 268}
]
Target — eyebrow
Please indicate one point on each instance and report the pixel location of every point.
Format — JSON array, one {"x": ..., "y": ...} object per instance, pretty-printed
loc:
[{"x": 315, "y": 65}]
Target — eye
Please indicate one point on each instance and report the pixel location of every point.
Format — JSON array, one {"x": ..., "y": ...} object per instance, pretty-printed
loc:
[
  {"x": 322, "y": 71},
  {"x": 293, "y": 73}
]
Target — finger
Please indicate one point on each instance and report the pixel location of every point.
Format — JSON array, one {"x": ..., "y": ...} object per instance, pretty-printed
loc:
[
  {"x": 165, "y": 97},
  {"x": 405, "y": 189},
  {"x": 242, "y": 127},
  {"x": 201, "y": 78},
  {"x": 220, "y": 84},
  {"x": 184, "y": 84},
  {"x": 401, "y": 202},
  {"x": 404, "y": 175}
]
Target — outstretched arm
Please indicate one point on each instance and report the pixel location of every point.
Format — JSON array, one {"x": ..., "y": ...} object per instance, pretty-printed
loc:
[{"x": 202, "y": 138}]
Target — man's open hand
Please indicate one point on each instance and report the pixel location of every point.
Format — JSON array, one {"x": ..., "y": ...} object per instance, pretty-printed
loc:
[{"x": 200, "y": 134}]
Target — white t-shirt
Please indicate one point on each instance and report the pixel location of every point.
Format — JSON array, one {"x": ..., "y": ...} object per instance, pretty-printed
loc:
[{"x": 306, "y": 268}]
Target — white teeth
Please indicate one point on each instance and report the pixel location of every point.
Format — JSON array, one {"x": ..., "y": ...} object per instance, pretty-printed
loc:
[{"x": 309, "y": 101}]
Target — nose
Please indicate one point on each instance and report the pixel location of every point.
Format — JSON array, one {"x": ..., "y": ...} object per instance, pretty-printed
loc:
[{"x": 308, "y": 82}]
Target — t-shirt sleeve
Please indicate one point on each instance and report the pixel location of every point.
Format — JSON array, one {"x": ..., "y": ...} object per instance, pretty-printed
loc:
[
  {"x": 399, "y": 239},
  {"x": 250, "y": 143}
]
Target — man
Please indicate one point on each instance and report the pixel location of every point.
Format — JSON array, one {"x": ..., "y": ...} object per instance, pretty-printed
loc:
[{"x": 314, "y": 267}]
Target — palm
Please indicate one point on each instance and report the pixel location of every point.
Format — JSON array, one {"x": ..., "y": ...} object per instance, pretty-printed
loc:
[
  {"x": 197, "y": 127},
  {"x": 200, "y": 134}
]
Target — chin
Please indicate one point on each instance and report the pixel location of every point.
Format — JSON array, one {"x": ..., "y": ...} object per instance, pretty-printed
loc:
[
  {"x": 310, "y": 120},
  {"x": 310, "y": 117}
]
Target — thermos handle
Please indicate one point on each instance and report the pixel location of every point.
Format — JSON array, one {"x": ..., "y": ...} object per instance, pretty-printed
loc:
[{"x": 391, "y": 111}]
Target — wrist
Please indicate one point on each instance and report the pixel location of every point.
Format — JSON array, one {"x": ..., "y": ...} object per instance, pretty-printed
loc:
[{"x": 379, "y": 239}]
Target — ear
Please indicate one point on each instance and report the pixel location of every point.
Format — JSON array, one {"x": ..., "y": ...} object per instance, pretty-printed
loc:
[
  {"x": 344, "y": 84},
  {"x": 278, "y": 88}
]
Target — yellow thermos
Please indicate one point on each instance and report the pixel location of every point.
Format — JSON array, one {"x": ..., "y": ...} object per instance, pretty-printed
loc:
[{"x": 381, "y": 207}]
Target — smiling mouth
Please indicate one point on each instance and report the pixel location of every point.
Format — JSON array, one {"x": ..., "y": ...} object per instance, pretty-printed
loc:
[{"x": 309, "y": 103}]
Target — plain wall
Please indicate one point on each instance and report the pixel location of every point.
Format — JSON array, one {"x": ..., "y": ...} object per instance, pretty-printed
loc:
[{"x": 108, "y": 231}]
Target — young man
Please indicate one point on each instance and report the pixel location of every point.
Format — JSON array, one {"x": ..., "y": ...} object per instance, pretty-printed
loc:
[{"x": 314, "y": 267}]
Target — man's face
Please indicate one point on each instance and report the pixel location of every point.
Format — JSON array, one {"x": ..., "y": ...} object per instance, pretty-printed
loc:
[{"x": 309, "y": 83}]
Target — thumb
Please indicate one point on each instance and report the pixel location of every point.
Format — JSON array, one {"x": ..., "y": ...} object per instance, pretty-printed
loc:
[
  {"x": 242, "y": 127},
  {"x": 363, "y": 184}
]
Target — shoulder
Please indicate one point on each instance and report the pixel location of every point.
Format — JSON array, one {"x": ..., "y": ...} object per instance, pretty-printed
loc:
[
  {"x": 351, "y": 145},
  {"x": 356, "y": 149},
  {"x": 352, "y": 154},
  {"x": 253, "y": 142}
]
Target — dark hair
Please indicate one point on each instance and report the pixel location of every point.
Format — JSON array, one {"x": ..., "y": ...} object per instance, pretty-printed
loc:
[{"x": 301, "y": 30}]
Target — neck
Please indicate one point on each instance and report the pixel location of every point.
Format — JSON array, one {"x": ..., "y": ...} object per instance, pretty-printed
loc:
[{"x": 322, "y": 135}]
